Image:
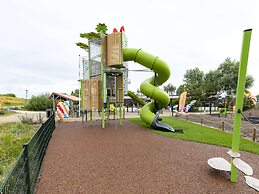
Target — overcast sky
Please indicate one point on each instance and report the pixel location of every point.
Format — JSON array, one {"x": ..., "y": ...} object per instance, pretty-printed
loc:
[{"x": 37, "y": 38}]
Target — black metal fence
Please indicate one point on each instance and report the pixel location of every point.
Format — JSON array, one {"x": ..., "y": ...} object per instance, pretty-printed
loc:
[{"x": 24, "y": 175}]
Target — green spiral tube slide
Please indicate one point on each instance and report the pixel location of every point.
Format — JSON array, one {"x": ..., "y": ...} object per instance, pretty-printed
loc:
[{"x": 149, "y": 112}]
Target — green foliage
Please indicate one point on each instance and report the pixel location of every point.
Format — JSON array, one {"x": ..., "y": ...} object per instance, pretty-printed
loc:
[
  {"x": 90, "y": 35},
  {"x": 75, "y": 93},
  {"x": 197, "y": 133},
  {"x": 181, "y": 89},
  {"x": 202, "y": 87},
  {"x": 101, "y": 28},
  {"x": 2, "y": 111},
  {"x": 12, "y": 137},
  {"x": 82, "y": 45},
  {"x": 193, "y": 79},
  {"x": 211, "y": 85},
  {"x": 39, "y": 103},
  {"x": 228, "y": 71},
  {"x": 248, "y": 104},
  {"x": 9, "y": 94},
  {"x": 175, "y": 101},
  {"x": 249, "y": 81},
  {"x": 169, "y": 88}
]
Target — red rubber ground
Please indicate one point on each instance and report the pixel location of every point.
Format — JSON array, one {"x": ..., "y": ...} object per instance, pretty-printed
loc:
[{"x": 131, "y": 159}]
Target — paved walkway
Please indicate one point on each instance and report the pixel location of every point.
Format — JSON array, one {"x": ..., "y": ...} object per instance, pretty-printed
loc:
[
  {"x": 16, "y": 117},
  {"x": 131, "y": 159}
]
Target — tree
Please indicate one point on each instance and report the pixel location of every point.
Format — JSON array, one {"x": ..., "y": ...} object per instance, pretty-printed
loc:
[
  {"x": 211, "y": 83},
  {"x": 39, "y": 103},
  {"x": 169, "y": 88},
  {"x": 249, "y": 81},
  {"x": 181, "y": 89},
  {"x": 193, "y": 79},
  {"x": 228, "y": 72},
  {"x": 75, "y": 93}
]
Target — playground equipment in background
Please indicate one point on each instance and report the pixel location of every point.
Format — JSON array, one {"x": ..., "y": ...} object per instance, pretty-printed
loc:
[
  {"x": 182, "y": 101},
  {"x": 63, "y": 110},
  {"x": 105, "y": 79},
  {"x": 236, "y": 163},
  {"x": 189, "y": 106},
  {"x": 248, "y": 94}
]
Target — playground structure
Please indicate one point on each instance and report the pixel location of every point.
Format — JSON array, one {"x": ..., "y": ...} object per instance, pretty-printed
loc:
[{"x": 105, "y": 79}]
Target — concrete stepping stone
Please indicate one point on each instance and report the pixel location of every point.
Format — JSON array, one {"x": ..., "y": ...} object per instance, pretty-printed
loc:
[
  {"x": 243, "y": 166},
  {"x": 252, "y": 182},
  {"x": 233, "y": 154},
  {"x": 219, "y": 164}
]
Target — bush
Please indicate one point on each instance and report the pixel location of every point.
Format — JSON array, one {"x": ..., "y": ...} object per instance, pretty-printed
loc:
[
  {"x": 30, "y": 119},
  {"x": 10, "y": 95},
  {"x": 2, "y": 111},
  {"x": 248, "y": 104},
  {"x": 39, "y": 103}
]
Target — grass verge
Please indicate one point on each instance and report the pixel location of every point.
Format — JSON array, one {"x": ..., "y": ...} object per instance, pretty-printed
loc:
[
  {"x": 203, "y": 134},
  {"x": 12, "y": 137}
]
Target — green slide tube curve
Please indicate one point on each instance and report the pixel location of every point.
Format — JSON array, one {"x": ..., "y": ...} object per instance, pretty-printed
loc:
[
  {"x": 136, "y": 98},
  {"x": 148, "y": 112}
]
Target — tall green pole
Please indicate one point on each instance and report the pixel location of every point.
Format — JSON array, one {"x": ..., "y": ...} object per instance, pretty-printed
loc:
[
  {"x": 103, "y": 87},
  {"x": 240, "y": 98}
]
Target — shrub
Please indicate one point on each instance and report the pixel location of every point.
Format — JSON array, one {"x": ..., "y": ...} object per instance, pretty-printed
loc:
[
  {"x": 248, "y": 104},
  {"x": 30, "y": 119},
  {"x": 39, "y": 103},
  {"x": 10, "y": 95},
  {"x": 2, "y": 111}
]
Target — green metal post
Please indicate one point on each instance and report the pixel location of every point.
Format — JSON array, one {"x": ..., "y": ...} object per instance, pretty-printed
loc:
[
  {"x": 81, "y": 104},
  {"x": 27, "y": 168},
  {"x": 121, "y": 103},
  {"x": 103, "y": 88},
  {"x": 108, "y": 110},
  {"x": 240, "y": 98},
  {"x": 91, "y": 118}
]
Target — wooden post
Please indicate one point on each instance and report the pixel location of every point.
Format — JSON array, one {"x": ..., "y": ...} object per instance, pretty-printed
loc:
[
  {"x": 254, "y": 134},
  {"x": 187, "y": 117},
  {"x": 223, "y": 126}
]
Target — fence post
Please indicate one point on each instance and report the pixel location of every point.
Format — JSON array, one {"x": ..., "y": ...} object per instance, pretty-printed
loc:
[
  {"x": 187, "y": 117},
  {"x": 27, "y": 168},
  {"x": 254, "y": 134},
  {"x": 201, "y": 120},
  {"x": 223, "y": 126}
]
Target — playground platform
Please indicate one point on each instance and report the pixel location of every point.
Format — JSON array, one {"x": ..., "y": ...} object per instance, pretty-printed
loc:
[{"x": 132, "y": 159}]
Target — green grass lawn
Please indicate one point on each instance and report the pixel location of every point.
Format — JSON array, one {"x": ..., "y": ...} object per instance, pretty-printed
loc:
[
  {"x": 12, "y": 137},
  {"x": 197, "y": 133}
]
